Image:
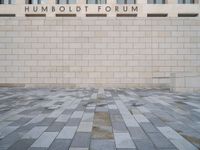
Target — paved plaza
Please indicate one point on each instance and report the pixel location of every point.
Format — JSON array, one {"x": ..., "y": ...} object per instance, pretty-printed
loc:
[{"x": 83, "y": 119}]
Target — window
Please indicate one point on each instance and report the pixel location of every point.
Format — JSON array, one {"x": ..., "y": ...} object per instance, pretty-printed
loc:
[
  {"x": 156, "y": 1},
  {"x": 7, "y": 1},
  {"x": 36, "y": 1},
  {"x": 96, "y": 1},
  {"x": 126, "y": 2},
  {"x": 66, "y": 1},
  {"x": 186, "y": 1}
]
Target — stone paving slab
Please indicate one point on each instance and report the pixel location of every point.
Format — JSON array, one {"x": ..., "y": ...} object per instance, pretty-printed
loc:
[
  {"x": 45, "y": 139},
  {"x": 67, "y": 132},
  {"x": 35, "y": 132},
  {"x": 92, "y": 119}
]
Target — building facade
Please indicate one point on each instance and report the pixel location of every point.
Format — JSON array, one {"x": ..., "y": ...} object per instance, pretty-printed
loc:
[{"x": 109, "y": 43}]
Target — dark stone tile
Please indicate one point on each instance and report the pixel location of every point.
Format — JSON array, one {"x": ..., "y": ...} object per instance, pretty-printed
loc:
[
  {"x": 126, "y": 149},
  {"x": 119, "y": 127},
  {"x": 68, "y": 111},
  {"x": 58, "y": 103},
  {"x": 81, "y": 139},
  {"x": 73, "y": 122},
  {"x": 157, "y": 122},
  {"x": 46, "y": 122},
  {"x": 137, "y": 133},
  {"x": 55, "y": 127},
  {"x": 26, "y": 128},
  {"x": 20, "y": 122},
  {"x": 116, "y": 118},
  {"x": 60, "y": 144},
  {"x": 148, "y": 127},
  {"x": 160, "y": 141},
  {"x": 9, "y": 140},
  {"x": 38, "y": 148},
  {"x": 23, "y": 144},
  {"x": 114, "y": 112},
  {"x": 89, "y": 110},
  {"x": 47, "y": 111},
  {"x": 80, "y": 108},
  {"x": 102, "y": 144},
  {"x": 144, "y": 144}
]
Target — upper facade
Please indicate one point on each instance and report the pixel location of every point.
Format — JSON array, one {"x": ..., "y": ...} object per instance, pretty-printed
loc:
[{"x": 100, "y": 8}]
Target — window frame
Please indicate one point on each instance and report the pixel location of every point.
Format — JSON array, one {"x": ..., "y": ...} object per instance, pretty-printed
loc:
[
  {"x": 3, "y": 2},
  {"x": 184, "y": 2},
  {"x": 125, "y": 2},
  {"x": 96, "y": 2},
  {"x": 155, "y": 2}
]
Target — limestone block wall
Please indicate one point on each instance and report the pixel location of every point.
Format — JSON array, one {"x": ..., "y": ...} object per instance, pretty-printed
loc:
[{"x": 98, "y": 51}]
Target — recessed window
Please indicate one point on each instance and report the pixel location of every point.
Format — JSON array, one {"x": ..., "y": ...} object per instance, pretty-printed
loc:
[
  {"x": 7, "y": 1},
  {"x": 96, "y": 1},
  {"x": 186, "y": 1},
  {"x": 126, "y": 1},
  {"x": 156, "y": 1},
  {"x": 66, "y": 1},
  {"x": 36, "y": 1}
]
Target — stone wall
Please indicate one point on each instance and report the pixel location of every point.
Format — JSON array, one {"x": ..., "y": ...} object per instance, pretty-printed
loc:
[{"x": 109, "y": 52}]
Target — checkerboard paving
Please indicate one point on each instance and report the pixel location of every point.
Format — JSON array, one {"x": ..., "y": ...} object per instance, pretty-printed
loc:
[{"x": 86, "y": 119}]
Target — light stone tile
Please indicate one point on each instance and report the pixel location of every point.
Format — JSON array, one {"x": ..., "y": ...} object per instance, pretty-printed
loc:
[
  {"x": 85, "y": 127},
  {"x": 123, "y": 140},
  {"x": 45, "y": 139},
  {"x": 128, "y": 118},
  {"x": 37, "y": 119},
  {"x": 102, "y": 144},
  {"x": 176, "y": 139},
  {"x": 77, "y": 114},
  {"x": 141, "y": 118},
  {"x": 88, "y": 117},
  {"x": 35, "y": 132},
  {"x": 131, "y": 122},
  {"x": 143, "y": 109},
  {"x": 67, "y": 132},
  {"x": 112, "y": 107},
  {"x": 90, "y": 108},
  {"x": 181, "y": 145}
]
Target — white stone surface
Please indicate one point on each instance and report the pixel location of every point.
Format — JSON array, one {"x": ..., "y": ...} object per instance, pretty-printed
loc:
[{"x": 64, "y": 51}]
